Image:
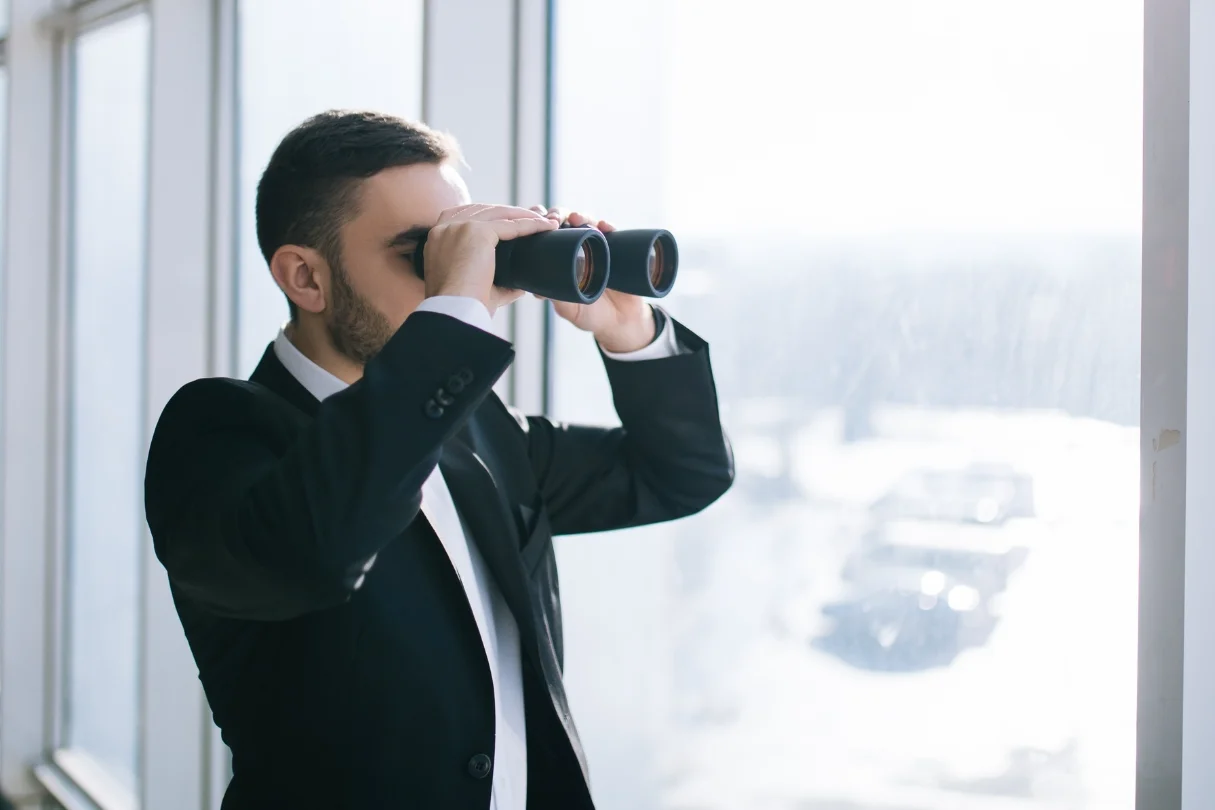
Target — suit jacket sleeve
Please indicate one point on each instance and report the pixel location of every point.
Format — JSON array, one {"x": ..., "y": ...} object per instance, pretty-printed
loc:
[
  {"x": 254, "y": 517},
  {"x": 669, "y": 458}
]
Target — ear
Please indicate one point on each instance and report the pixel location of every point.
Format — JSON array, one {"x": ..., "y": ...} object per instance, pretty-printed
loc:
[{"x": 303, "y": 276}]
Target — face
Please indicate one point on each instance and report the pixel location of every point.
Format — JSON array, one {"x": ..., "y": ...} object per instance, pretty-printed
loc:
[{"x": 375, "y": 288}]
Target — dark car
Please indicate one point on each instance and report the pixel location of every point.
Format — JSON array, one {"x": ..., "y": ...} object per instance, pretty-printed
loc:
[
  {"x": 917, "y": 593},
  {"x": 905, "y": 627},
  {"x": 978, "y": 555},
  {"x": 980, "y": 493}
]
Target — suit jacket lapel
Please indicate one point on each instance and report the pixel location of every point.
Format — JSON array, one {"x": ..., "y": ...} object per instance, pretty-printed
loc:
[
  {"x": 491, "y": 527},
  {"x": 271, "y": 373},
  {"x": 474, "y": 490}
]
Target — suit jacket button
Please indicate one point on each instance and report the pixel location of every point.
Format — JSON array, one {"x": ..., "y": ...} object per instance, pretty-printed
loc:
[
  {"x": 456, "y": 384},
  {"x": 433, "y": 409},
  {"x": 480, "y": 766},
  {"x": 464, "y": 376}
]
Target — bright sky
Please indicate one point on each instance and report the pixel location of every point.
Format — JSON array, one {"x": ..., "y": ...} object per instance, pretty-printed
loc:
[
  {"x": 858, "y": 117},
  {"x": 805, "y": 117}
]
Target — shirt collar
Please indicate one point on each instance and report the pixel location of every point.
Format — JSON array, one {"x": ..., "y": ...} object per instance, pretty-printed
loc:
[{"x": 316, "y": 380}]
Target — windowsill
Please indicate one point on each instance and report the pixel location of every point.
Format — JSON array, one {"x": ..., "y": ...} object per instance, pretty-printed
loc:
[{"x": 79, "y": 782}]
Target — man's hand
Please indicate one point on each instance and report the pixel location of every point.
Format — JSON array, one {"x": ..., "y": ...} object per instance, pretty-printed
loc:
[
  {"x": 620, "y": 322},
  {"x": 461, "y": 248}
]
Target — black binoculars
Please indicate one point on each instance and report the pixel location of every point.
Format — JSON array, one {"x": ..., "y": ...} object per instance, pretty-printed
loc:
[{"x": 577, "y": 264}]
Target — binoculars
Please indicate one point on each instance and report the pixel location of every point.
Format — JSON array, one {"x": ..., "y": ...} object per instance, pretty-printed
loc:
[{"x": 577, "y": 264}]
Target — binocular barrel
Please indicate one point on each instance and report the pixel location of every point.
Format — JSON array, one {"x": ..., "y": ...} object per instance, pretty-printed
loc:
[
  {"x": 577, "y": 264},
  {"x": 643, "y": 262},
  {"x": 571, "y": 264}
]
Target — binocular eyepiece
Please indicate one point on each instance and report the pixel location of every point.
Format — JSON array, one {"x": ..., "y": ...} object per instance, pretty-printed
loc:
[{"x": 577, "y": 264}]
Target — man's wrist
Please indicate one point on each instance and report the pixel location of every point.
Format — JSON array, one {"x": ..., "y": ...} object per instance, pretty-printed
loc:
[
  {"x": 632, "y": 336},
  {"x": 469, "y": 309},
  {"x": 459, "y": 291}
]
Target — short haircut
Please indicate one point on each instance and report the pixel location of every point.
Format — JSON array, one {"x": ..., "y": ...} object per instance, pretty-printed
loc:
[{"x": 309, "y": 189}]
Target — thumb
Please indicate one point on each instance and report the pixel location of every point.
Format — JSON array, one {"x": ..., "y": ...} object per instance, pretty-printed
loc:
[{"x": 567, "y": 310}]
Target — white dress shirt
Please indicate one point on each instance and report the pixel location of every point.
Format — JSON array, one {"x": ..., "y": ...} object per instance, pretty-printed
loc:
[{"x": 499, "y": 632}]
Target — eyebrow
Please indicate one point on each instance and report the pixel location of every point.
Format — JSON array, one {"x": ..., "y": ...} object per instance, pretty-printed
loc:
[{"x": 408, "y": 236}]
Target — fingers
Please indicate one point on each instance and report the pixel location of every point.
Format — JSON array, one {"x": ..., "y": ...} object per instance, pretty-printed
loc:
[
  {"x": 479, "y": 212},
  {"x": 506, "y": 212},
  {"x": 570, "y": 311},
  {"x": 484, "y": 212},
  {"x": 516, "y": 228},
  {"x": 460, "y": 212},
  {"x": 575, "y": 218}
]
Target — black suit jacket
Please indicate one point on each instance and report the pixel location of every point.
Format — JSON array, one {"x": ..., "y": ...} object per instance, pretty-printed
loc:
[{"x": 332, "y": 635}]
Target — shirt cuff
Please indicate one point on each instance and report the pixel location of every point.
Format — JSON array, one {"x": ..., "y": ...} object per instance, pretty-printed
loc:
[
  {"x": 665, "y": 344},
  {"x": 460, "y": 307}
]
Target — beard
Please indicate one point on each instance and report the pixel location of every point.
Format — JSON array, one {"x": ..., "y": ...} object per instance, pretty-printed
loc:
[{"x": 358, "y": 330}]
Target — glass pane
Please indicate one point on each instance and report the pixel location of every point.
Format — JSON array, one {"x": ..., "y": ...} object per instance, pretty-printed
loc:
[
  {"x": 372, "y": 59},
  {"x": 105, "y": 506},
  {"x": 910, "y": 233}
]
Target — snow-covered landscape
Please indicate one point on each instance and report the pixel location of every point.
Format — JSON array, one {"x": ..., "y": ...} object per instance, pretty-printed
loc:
[{"x": 697, "y": 685}]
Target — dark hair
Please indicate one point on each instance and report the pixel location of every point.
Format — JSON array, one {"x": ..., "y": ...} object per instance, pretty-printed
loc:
[{"x": 309, "y": 189}]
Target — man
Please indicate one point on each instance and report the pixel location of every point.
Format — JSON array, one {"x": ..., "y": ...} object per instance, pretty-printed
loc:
[{"x": 359, "y": 538}]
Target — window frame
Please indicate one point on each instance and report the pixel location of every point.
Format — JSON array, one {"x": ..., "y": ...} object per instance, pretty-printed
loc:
[
  {"x": 78, "y": 762},
  {"x": 25, "y": 666},
  {"x": 1176, "y": 709},
  {"x": 87, "y": 775}
]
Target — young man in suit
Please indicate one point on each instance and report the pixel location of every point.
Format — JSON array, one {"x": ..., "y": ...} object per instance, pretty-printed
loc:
[{"x": 359, "y": 538}]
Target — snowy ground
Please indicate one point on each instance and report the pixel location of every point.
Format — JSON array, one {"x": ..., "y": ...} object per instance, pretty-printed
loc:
[{"x": 695, "y": 685}]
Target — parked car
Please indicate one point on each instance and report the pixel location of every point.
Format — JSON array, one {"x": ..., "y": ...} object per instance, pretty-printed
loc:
[
  {"x": 983, "y": 556},
  {"x": 904, "y": 626},
  {"x": 917, "y": 593},
  {"x": 979, "y": 493}
]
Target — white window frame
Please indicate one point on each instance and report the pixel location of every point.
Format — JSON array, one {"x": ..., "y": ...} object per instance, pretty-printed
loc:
[
  {"x": 1176, "y": 716},
  {"x": 496, "y": 105},
  {"x": 24, "y": 589},
  {"x": 26, "y": 431},
  {"x": 486, "y": 79}
]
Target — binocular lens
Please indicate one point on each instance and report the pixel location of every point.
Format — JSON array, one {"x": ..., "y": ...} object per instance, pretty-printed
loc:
[
  {"x": 584, "y": 268},
  {"x": 654, "y": 264}
]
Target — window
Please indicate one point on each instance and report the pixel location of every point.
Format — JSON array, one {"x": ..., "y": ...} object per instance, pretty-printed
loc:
[
  {"x": 299, "y": 58},
  {"x": 3, "y": 157},
  {"x": 3, "y": 153},
  {"x": 910, "y": 233},
  {"x": 105, "y": 411}
]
